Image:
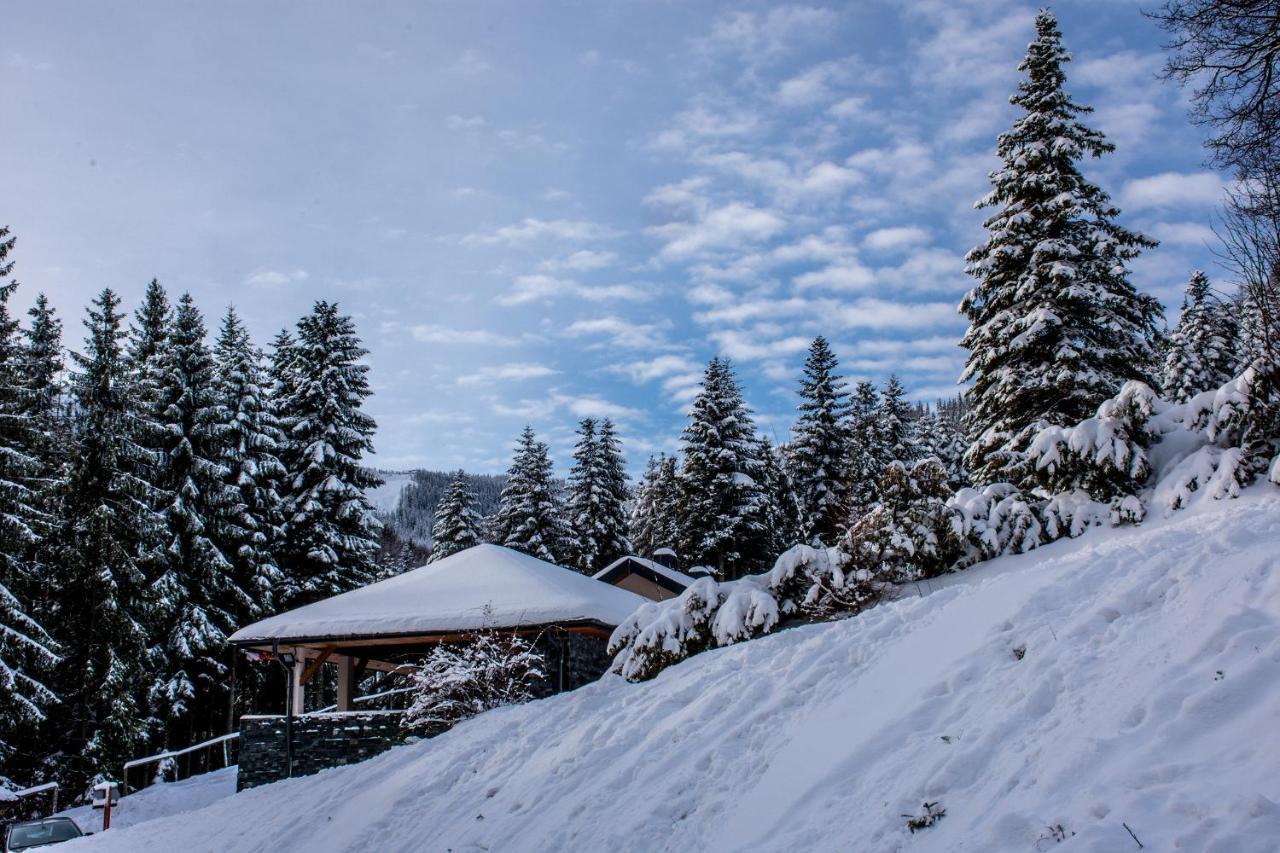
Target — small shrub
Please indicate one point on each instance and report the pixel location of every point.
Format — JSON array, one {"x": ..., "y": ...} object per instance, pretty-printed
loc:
[{"x": 932, "y": 814}]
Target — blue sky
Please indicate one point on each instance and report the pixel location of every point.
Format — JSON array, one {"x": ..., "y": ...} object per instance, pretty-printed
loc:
[{"x": 539, "y": 211}]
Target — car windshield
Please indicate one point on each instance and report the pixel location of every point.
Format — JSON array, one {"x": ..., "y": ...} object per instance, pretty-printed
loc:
[{"x": 27, "y": 835}]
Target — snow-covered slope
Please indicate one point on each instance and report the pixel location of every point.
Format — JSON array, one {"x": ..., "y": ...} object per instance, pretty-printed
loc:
[
  {"x": 1129, "y": 677},
  {"x": 160, "y": 801},
  {"x": 386, "y": 497}
]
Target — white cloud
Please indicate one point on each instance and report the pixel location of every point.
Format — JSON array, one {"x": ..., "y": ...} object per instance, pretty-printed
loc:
[
  {"x": 896, "y": 238},
  {"x": 581, "y": 261},
  {"x": 541, "y": 288},
  {"x": 848, "y": 276},
  {"x": 437, "y": 334},
  {"x": 726, "y": 227},
  {"x": 471, "y": 63},
  {"x": 654, "y": 368},
  {"x": 812, "y": 85},
  {"x": 458, "y": 122},
  {"x": 1173, "y": 189},
  {"x": 520, "y": 371},
  {"x": 1181, "y": 233},
  {"x": 743, "y": 345},
  {"x": 872, "y": 313},
  {"x": 276, "y": 278},
  {"x": 621, "y": 333},
  {"x": 530, "y": 229},
  {"x": 756, "y": 34}
]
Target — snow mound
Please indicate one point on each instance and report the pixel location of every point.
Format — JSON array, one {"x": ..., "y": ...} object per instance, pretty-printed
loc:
[{"x": 1129, "y": 677}]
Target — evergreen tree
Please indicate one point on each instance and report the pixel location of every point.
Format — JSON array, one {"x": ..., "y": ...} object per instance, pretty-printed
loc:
[
  {"x": 820, "y": 446},
  {"x": 457, "y": 526},
  {"x": 1055, "y": 325},
  {"x": 195, "y": 593},
  {"x": 597, "y": 498},
  {"x": 720, "y": 498},
  {"x": 941, "y": 437},
  {"x": 103, "y": 523},
  {"x": 1201, "y": 351},
  {"x": 654, "y": 515},
  {"x": 26, "y": 654},
  {"x": 781, "y": 513},
  {"x": 895, "y": 424},
  {"x": 530, "y": 516},
  {"x": 331, "y": 530},
  {"x": 249, "y": 525},
  {"x": 867, "y": 453}
]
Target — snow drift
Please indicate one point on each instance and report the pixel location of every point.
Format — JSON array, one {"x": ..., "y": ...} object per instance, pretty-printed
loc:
[{"x": 1126, "y": 681}]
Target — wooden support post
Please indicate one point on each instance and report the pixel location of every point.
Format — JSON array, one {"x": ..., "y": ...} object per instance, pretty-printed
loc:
[
  {"x": 346, "y": 682},
  {"x": 299, "y": 695},
  {"x": 314, "y": 666}
]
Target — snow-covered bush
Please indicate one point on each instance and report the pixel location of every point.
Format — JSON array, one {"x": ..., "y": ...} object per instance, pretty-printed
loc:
[
  {"x": 806, "y": 582},
  {"x": 453, "y": 683},
  {"x": 908, "y": 535},
  {"x": 993, "y": 521},
  {"x": 1105, "y": 455}
]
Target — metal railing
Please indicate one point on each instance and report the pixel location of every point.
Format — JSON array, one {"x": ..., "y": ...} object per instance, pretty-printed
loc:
[{"x": 184, "y": 763}]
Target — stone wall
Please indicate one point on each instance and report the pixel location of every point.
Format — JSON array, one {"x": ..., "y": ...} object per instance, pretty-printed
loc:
[
  {"x": 572, "y": 660},
  {"x": 319, "y": 741}
]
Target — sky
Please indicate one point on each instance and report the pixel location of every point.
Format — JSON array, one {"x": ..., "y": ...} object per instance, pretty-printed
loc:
[{"x": 538, "y": 212}]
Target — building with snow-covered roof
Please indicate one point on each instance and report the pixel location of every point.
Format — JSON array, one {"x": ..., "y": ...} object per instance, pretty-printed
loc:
[
  {"x": 389, "y": 626},
  {"x": 654, "y": 580},
  {"x": 385, "y": 624}
]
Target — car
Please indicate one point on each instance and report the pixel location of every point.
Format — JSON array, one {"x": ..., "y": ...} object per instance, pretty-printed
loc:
[{"x": 30, "y": 834}]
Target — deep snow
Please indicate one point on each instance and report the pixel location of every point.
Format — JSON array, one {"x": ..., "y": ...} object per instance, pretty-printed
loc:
[
  {"x": 159, "y": 801},
  {"x": 1128, "y": 677}
]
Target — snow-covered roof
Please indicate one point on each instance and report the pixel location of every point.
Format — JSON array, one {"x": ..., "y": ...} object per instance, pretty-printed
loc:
[
  {"x": 484, "y": 586},
  {"x": 655, "y": 567}
]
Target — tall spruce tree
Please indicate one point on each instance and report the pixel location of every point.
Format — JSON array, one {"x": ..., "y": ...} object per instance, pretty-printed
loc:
[
  {"x": 820, "y": 446},
  {"x": 26, "y": 649},
  {"x": 597, "y": 497},
  {"x": 249, "y": 524},
  {"x": 895, "y": 424},
  {"x": 781, "y": 512},
  {"x": 1055, "y": 326},
  {"x": 457, "y": 524},
  {"x": 721, "y": 499},
  {"x": 530, "y": 516},
  {"x": 331, "y": 532},
  {"x": 654, "y": 522},
  {"x": 867, "y": 451},
  {"x": 196, "y": 596},
  {"x": 102, "y": 528},
  {"x": 1201, "y": 350}
]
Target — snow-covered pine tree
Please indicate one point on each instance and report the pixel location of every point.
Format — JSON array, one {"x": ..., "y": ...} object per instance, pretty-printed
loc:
[
  {"x": 1201, "y": 351},
  {"x": 614, "y": 542},
  {"x": 781, "y": 513},
  {"x": 820, "y": 446},
  {"x": 940, "y": 436},
  {"x": 530, "y": 516},
  {"x": 195, "y": 596},
  {"x": 720, "y": 499},
  {"x": 597, "y": 498},
  {"x": 867, "y": 451},
  {"x": 653, "y": 524},
  {"x": 26, "y": 656},
  {"x": 249, "y": 526},
  {"x": 99, "y": 538},
  {"x": 331, "y": 532},
  {"x": 1055, "y": 325},
  {"x": 457, "y": 524},
  {"x": 895, "y": 423}
]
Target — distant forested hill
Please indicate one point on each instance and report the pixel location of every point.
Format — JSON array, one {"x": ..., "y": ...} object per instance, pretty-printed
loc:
[{"x": 412, "y": 514}]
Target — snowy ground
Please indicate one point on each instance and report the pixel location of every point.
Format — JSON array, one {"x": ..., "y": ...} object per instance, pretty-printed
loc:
[
  {"x": 1130, "y": 677},
  {"x": 160, "y": 801}
]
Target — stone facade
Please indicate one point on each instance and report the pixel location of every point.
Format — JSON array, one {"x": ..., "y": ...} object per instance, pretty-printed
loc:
[
  {"x": 319, "y": 741},
  {"x": 572, "y": 660}
]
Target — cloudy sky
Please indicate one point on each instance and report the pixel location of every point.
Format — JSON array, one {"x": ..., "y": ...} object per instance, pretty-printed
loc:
[{"x": 540, "y": 211}]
